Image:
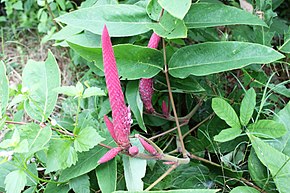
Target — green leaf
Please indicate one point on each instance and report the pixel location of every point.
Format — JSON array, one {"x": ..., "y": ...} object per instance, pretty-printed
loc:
[
  {"x": 153, "y": 10},
  {"x": 285, "y": 47},
  {"x": 277, "y": 162},
  {"x": 68, "y": 156},
  {"x": 40, "y": 78},
  {"x": 224, "y": 110},
  {"x": 213, "y": 57},
  {"x": 65, "y": 33},
  {"x": 107, "y": 176},
  {"x": 53, "y": 188},
  {"x": 244, "y": 189},
  {"x": 14, "y": 141},
  {"x": 247, "y": 106},
  {"x": 22, "y": 147},
  {"x": 86, "y": 39},
  {"x": 175, "y": 191},
  {"x": 68, "y": 90},
  {"x": 80, "y": 184},
  {"x": 4, "y": 89},
  {"x": 87, "y": 139},
  {"x": 36, "y": 136},
  {"x": 177, "y": 8},
  {"x": 87, "y": 161},
  {"x": 201, "y": 15},
  {"x": 93, "y": 91},
  {"x": 267, "y": 129},
  {"x": 228, "y": 134},
  {"x": 121, "y": 20},
  {"x": 169, "y": 27},
  {"x": 146, "y": 62},
  {"x": 134, "y": 100},
  {"x": 134, "y": 169},
  {"x": 5, "y": 169},
  {"x": 15, "y": 181}
]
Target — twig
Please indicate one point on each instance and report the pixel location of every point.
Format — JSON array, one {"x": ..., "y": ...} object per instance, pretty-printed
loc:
[
  {"x": 161, "y": 177},
  {"x": 172, "y": 100},
  {"x": 165, "y": 132},
  {"x": 51, "y": 14},
  {"x": 253, "y": 185}
]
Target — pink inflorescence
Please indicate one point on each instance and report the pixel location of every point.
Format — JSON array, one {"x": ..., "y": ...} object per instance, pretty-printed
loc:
[{"x": 146, "y": 84}]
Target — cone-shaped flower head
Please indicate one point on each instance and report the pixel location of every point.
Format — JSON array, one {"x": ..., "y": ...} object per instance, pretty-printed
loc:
[
  {"x": 110, "y": 155},
  {"x": 120, "y": 112},
  {"x": 146, "y": 84}
]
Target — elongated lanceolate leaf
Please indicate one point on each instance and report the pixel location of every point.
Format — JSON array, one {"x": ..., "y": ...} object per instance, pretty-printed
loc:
[
  {"x": 213, "y": 57},
  {"x": 202, "y": 15},
  {"x": 4, "y": 89},
  {"x": 247, "y": 106},
  {"x": 107, "y": 176},
  {"x": 121, "y": 20},
  {"x": 267, "y": 129},
  {"x": 40, "y": 79},
  {"x": 228, "y": 134},
  {"x": 133, "y": 62},
  {"x": 177, "y": 8}
]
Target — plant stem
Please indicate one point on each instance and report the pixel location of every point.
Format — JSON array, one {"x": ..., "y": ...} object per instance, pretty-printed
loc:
[
  {"x": 165, "y": 132},
  {"x": 253, "y": 185},
  {"x": 172, "y": 100},
  {"x": 51, "y": 14},
  {"x": 161, "y": 177}
]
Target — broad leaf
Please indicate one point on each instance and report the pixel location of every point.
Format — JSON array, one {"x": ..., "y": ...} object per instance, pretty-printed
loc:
[
  {"x": 5, "y": 169},
  {"x": 228, "y": 134},
  {"x": 53, "y": 188},
  {"x": 40, "y": 78},
  {"x": 80, "y": 184},
  {"x": 225, "y": 112},
  {"x": 175, "y": 191},
  {"x": 133, "y": 62},
  {"x": 247, "y": 106},
  {"x": 134, "y": 100},
  {"x": 177, "y": 8},
  {"x": 107, "y": 176},
  {"x": 169, "y": 27},
  {"x": 244, "y": 189},
  {"x": 121, "y": 20},
  {"x": 87, "y": 139},
  {"x": 15, "y": 181},
  {"x": 153, "y": 10},
  {"x": 201, "y": 15},
  {"x": 134, "y": 169},
  {"x": 69, "y": 90},
  {"x": 65, "y": 33},
  {"x": 267, "y": 129},
  {"x": 68, "y": 156},
  {"x": 4, "y": 89},
  {"x": 277, "y": 162},
  {"x": 86, "y": 39},
  {"x": 213, "y": 57},
  {"x": 93, "y": 91},
  {"x": 285, "y": 47}
]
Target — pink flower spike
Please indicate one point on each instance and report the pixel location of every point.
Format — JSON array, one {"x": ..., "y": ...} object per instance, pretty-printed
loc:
[
  {"x": 133, "y": 150},
  {"x": 154, "y": 41},
  {"x": 110, "y": 155},
  {"x": 120, "y": 113},
  {"x": 148, "y": 147},
  {"x": 110, "y": 127},
  {"x": 165, "y": 109},
  {"x": 146, "y": 91}
]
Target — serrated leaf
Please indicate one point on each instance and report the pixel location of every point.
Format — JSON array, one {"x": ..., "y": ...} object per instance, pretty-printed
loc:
[
  {"x": 228, "y": 134},
  {"x": 213, "y": 57},
  {"x": 247, "y": 106},
  {"x": 201, "y": 15},
  {"x": 107, "y": 176},
  {"x": 4, "y": 89},
  {"x": 169, "y": 27},
  {"x": 277, "y": 162},
  {"x": 224, "y": 110},
  {"x": 80, "y": 184},
  {"x": 40, "y": 78},
  {"x": 93, "y": 91},
  {"x": 56, "y": 162},
  {"x": 15, "y": 181},
  {"x": 177, "y": 8},
  {"x": 267, "y": 129},
  {"x": 87, "y": 139},
  {"x": 134, "y": 100},
  {"x": 146, "y": 62},
  {"x": 121, "y": 20},
  {"x": 244, "y": 189},
  {"x": 134, "y": 169}
]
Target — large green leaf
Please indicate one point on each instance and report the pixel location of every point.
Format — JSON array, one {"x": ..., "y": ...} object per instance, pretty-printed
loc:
[
  {"x": 40, "y": 78},
  {"x": 225, "y": 112},
  {"x": 169, "y": 27},
  {"x": 177, "y": 8},
  {"x": 202, "y": 15},
  {"x": 133, "y": 62},
  {"x": 244, "y": 189},
  {"x": 107, "y": 176},
  {"x": 153, "y": 10},
  {"x": 247, "y": 106},
  {"x": 135, "y": 102},
  {"x": 53, "y": 188},
  {"x": 213, "y": 57},
  {"x": 121, "y": 20},
  {"x": 4, "y": 89},
  {"x": 267, "y": 129},
  {"x": 15, "y": 181},
  {"x": 277, "y": 162},
  {"x": 80, "y": 184},
  {"x": 87, "y": 139},
  {"x": 228, "y": 134},
  {"x": 175, "y": 191},
  {"x": 5, "y": 169},
  {"x": 285, "y": 47}
]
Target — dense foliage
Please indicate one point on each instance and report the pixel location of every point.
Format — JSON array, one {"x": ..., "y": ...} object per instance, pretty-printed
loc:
[{"x": 221, "y": 113}]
